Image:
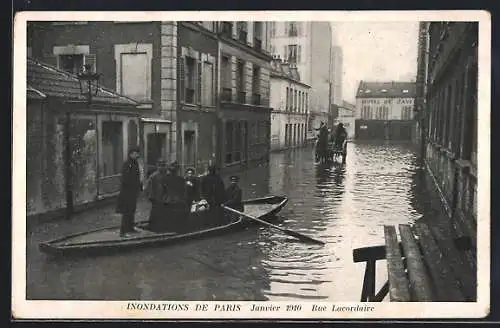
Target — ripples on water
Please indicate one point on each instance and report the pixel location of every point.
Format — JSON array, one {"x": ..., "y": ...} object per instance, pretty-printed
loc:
[{"x": 345, "y": 206}]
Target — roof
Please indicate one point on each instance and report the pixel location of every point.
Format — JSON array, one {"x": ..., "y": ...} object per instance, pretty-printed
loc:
[
  {"x": 390, "y": 89},
  {"x": 284, "y": 71},
  {"x": 44, "y": 81}
]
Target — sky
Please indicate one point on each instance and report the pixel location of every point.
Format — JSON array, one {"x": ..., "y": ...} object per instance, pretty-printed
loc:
[{"x": 373, "y": 51}]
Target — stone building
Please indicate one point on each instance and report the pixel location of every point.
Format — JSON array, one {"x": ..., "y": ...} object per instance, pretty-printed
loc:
[
  {"x": 290, "y": 104},
  {"x": 450, "y": 116},
  {"x": 309, "y": 45},
  {"x": 384, "y": 110},
  {"x": 74, "y": 150},
  {"x": 245, "y": 113},
  {"x": 135, "y": 59}
]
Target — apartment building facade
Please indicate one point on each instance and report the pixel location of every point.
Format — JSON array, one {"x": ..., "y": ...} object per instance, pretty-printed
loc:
[
  {"x": 450, "y": 58},
  {"x": 290, "y": 105},
  {"x": 244, "y": 89},
  {"x": 309, "y": 46}
]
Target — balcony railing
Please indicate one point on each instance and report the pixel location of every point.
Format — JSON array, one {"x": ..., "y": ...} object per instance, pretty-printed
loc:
[
  {"x": 242, "y": 97},
  {"x": 227, "y": 94},
  {"x": 256, "y": 99},
  {"x": 257, "y": 44},
  {"x": 242, "y": 36},
  {"x": 227, "y": 29}
]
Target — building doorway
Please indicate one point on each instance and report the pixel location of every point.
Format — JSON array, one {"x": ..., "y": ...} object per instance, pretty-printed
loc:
[
  {"x": 155, "y": 150},
  {"x": 189, "y": 149}
]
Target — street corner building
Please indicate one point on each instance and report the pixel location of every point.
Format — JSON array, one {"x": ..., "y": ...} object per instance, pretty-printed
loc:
[
  {"x": 290, "y": 104},
  {"x": 75, "y": 151},
  {"x": 447, "y": 98},
  {"x": 384, "y": 111},
  {"x": 245, "y": 113}
]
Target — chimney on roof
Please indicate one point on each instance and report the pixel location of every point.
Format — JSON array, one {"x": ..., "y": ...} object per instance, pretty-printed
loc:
[{"x": 276, "y": 62}]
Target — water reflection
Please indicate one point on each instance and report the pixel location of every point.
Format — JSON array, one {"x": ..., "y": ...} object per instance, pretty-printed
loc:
[{"x": 343, "y": 205}]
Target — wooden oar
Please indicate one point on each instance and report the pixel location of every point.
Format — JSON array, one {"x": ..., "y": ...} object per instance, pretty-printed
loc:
[{"x": 288, "y": 232}]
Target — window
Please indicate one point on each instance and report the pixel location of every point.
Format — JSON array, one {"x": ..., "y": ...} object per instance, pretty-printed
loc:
[
  {"x": 133, "y": 70},
  {"x": 112, "y": 147},
  {"x": 233, "y": 141},
  {"x": 134, "y": 75},
  {"x": 293, "y": 29},
  {"x": 71, "y": 63},
  {"x": 241, "y": 27},
  {"x": 295, "y": 100},
  {"x": 287, "y": 102},
  {"x": 293, "y": 54},
  {"x": 307, "y": 103},
  {"x": 273, "y": 29},
  {"x": 366, "y": 113},
  {"x": 406, "y": 113},
  {"x": 257, "y": 35},
  {"x": 190, "y": 77},
  {"x": 256, "y": 85},
  {"x": 382, "y": 113},
  {"x": 208, "y": 84},
  {"x": 240, "y": 81}
]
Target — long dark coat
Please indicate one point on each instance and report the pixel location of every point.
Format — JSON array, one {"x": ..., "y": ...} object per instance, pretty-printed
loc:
[
  {"x": 213, "y": 190},
  {"x": 130, "y": 188},
  {"x": 192, "y": 190}
]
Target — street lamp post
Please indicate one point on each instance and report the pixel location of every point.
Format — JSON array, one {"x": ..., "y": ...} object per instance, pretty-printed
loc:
[{"x": 89, "y": 86}]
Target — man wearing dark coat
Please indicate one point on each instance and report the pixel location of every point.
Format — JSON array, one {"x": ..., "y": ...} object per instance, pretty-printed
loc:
[
  {"x": 192, "y": 187},
  {"x": 155, "y": 192},
  {"x": 174, "y": 198},
  {"x": 129, "y": 192},
  {"x": 234, "y": 195},
  {"x": 213, "y": 191}
]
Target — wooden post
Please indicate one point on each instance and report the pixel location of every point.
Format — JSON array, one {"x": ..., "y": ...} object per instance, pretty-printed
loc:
[{"x": 368, "y": 292}]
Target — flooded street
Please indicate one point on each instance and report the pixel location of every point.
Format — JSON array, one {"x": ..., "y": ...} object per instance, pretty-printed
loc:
[{"x": 344, "y": 206}]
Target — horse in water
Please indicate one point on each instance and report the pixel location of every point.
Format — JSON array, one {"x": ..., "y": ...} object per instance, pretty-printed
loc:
[{"x": 322, "y": 151}]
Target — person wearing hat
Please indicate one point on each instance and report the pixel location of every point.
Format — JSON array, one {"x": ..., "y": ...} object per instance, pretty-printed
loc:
[
  {"x": 213, "y": 191},
  {"x": 234, "y": 195},
  {"x": 130, "y": 189},
  {"x": 155, "y": 193},
  {"x": 174, "y": 199},
  {"x": 192, "y": 187}
]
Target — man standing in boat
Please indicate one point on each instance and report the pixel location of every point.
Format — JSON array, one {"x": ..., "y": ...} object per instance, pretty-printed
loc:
[
  {"x": 174, "y": 198},
  {"x": 192, "y": 187},
  {"x": 155, "y": 193},
  {"x": 130, "y": 189},
  {"x": 234, "y": 195},
  {"x": 213, "y": 191}
]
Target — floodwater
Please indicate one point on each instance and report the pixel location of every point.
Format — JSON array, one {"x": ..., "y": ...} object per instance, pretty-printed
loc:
[{"x": 344, "y": 206}]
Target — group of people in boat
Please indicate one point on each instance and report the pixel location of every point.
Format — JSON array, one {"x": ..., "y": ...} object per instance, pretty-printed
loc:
[
  {"x": 175, "y": 198},
  {"x": 326, "y": 137}
]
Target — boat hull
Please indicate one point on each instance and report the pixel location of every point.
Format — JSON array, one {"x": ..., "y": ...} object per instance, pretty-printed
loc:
[{"x": 107, "y": 240}]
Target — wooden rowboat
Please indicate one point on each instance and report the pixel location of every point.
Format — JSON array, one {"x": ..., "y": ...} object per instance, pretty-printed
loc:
[{"x": 109, "y": 239}]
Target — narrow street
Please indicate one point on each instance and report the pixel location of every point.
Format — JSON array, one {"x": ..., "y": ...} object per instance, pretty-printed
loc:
[{"x": 344, "y": 206}]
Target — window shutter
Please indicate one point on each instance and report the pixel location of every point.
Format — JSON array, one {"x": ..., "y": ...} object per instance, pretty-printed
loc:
[
  {"x": 299, "y": 52},
  {"x": 90, "y": 59},
  {"x": 198, "y": 82},
  {"x": 181, "y": 74},
  {"x": 286, "y": 27}
]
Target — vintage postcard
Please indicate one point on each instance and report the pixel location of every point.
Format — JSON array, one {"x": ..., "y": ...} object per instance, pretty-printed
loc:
[{"x": 251, "y": 165}]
